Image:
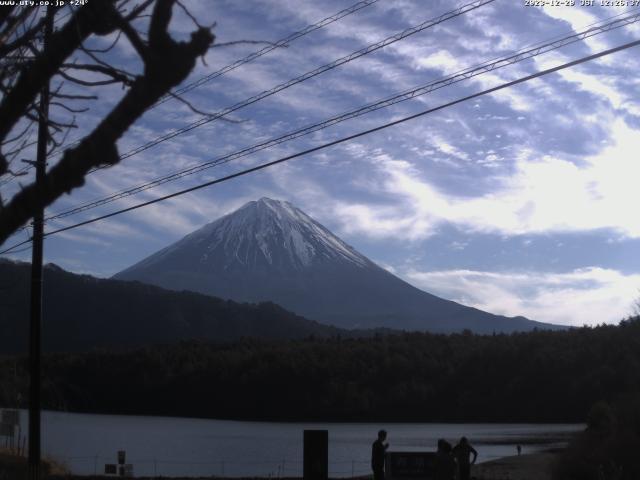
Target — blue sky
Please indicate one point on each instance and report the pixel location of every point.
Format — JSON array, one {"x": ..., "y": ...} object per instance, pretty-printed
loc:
[{"x": 518, "y": 203}]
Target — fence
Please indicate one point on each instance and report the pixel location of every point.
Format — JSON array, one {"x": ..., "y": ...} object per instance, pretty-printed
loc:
[{"x": 162, "y": 467}]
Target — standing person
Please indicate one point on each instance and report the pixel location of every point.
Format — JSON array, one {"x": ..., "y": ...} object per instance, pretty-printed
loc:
[
  {"x": 445, "y": 465},
  {"x": 462, "y": 451},
  {"x": 378, "y": 450}
]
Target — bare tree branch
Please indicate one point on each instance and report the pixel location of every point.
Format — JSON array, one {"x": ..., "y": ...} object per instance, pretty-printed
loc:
[
  {"x": 133, "y": 37},
  {"x": 57, "y": 143},
  {"x": 5, "y": 13},
  {"x": 11, "y": 155},
  {"x": 95, "y": 83},
  {"x": 23, "y": 39},
  {"x": 74, "y": 97},
  {"x": 68, "y": 108},
  {"x": 12, "y": 23},
  {"x": 116, "y": 73},
  {"x": 107, "y": 49},
  {"x": 166, "y": 64},
  {"x": 20, "y": 173},
  {"x": 135, "y": 13},
  {"x": 201, "y": 112},
  {"x": 188, "y": 14},
  {"x": 18, "y": 135},
  {"x": 92, "y": 18}
]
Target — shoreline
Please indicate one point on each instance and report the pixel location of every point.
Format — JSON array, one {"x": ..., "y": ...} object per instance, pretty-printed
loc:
[
  {"x": 295, "y": 420},
  {"x": 530, "y": 466}
]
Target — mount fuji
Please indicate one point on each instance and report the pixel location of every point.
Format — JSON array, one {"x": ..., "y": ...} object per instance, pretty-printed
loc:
[{"x": 269, "y": 250}]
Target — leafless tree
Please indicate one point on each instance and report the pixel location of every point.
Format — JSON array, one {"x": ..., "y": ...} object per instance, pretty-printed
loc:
[{"x": 26, "y": 66}]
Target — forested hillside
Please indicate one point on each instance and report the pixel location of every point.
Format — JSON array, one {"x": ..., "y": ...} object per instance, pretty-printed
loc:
[
  {"x": 81, "y": 312},
  {"x": 538, "y": 376}
]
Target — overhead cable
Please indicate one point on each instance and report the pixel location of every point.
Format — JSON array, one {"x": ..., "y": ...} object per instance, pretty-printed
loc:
[
  {"x": 283, "y": 42},
  {"x": 460, "y": 76},
  {"x": 340, "y": 140},
  {"x": 310, "y": 74}
]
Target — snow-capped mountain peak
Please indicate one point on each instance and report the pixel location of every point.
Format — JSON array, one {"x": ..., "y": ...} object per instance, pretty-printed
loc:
[
  {"x": 260, "y": 233},
  {"x": 269, "y": 250}
]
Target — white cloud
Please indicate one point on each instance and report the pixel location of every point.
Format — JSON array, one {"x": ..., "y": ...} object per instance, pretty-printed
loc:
[
  {"x": 83, "y": 238},
  {"x": 547, "y": 194},
  {"x": 585, "y": 296},
  {"x": 358, "y": 189},
  {"x": 441, "y": 60},
  {"x": 597, "y": 84},
  {"x": 449, "y": 149},
  {"x": 579, "y": 19}
]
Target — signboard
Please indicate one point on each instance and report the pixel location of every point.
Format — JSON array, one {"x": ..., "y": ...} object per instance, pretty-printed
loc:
[
  {"x": 401, "y": 465},
  {"x": 316, "y": 455},
  {"x": 121, "y": 469},
  {"x": 11, "y": 416}
]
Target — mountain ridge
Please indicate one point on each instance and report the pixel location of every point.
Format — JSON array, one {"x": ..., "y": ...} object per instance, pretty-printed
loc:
[
  {"x": 81, "y": 312},
  {"x": 269, "y": 250}
]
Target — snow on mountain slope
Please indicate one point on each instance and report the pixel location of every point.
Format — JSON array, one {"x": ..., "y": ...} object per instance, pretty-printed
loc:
[
  {"x": 269, "y": 250},
  {"x": 263, "y": 231}
]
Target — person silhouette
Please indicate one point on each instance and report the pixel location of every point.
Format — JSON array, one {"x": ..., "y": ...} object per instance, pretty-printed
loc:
[
  {"x": 519, "y": 449},
  {"x": 378, "y": 450},
  {"x": 445, "y": 464},
  {"x": 462, "y": 451}
]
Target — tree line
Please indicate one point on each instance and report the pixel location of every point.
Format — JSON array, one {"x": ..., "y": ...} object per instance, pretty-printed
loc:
[
  {"x": 83, "y": 313},
  {"x": 540, "y": 376}
]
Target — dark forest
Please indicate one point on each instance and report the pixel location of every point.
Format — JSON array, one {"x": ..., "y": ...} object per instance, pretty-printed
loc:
[{"x": 540, "y": 376}]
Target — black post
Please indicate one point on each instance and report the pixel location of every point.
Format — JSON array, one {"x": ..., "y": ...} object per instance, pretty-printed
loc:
[
  {"x": 36, "y": 278},
  {"x": 315, "y": 455}
]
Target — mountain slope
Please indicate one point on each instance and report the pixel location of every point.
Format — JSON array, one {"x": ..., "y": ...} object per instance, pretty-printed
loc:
[
  {"x": 270, "y": 250},
  {"x": 81, "y": 312}
]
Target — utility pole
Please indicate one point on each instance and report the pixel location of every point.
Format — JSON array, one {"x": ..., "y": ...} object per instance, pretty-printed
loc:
[{"x": 35, "y": 324}]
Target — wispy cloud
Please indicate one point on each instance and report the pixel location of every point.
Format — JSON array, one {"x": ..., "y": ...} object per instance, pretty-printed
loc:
[
  {"x": 548, "y": 157},
  {"x": 543, "y": 194},
  {"x": 586, "y": 296}
]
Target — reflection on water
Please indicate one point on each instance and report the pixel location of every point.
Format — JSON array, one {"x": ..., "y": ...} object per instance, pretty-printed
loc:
[{"x": 194, "y": 447}]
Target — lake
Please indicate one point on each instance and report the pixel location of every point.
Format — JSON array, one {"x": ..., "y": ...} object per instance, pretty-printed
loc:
[{"x": 196, "y": 447}]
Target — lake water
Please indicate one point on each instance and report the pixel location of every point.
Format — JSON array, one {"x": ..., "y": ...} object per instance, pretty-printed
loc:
[{"x": 194, "y": 447}]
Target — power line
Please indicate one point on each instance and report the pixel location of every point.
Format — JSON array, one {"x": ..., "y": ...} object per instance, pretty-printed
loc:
[
  {"x": 342, "y": 140},
  {"x": 10, "y": 177},
  {"x": 24, "y": 249},
  {"x": 26, "y": 168},
  {"x": 371, "y": 48},
  {"x": 308, "y": 75},
  {"x": 12, "y": 249},
  {"x": 252, "y": 56},
  {"x": 461, "y": 75},
  {"x": 336, "y": 63},
  {"x": 283, "y": 42}
]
